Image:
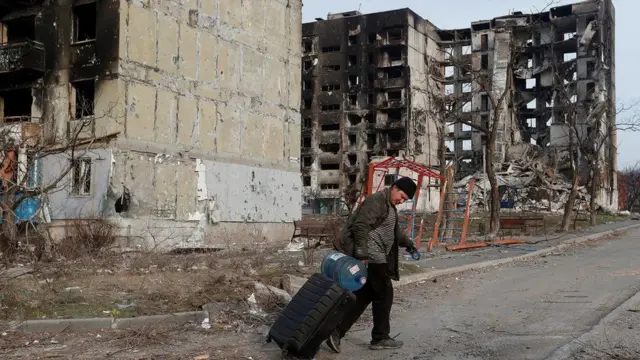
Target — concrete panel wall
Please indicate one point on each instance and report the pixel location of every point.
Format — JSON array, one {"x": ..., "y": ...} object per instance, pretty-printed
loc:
[
  {"x": 62, "y": 204},
  {"x": 215, "y": 81}
]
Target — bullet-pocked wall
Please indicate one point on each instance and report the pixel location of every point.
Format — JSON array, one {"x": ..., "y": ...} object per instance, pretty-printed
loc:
[{"x": 210, "y": 142}]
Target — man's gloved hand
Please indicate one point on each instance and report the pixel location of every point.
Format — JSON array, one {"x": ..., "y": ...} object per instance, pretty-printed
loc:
[{"x": 413, "y": 250}]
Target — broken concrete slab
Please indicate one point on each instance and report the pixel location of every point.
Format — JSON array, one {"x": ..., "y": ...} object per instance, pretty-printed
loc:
[
  {"x": 291, "y": 284},
  {"x": 272, "y": 291}
]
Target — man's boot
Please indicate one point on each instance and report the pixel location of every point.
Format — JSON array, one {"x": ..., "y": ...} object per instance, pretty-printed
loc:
[{"x": 386, "y": 344}]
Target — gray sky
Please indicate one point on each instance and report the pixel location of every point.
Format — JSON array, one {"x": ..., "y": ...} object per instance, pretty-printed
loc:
[{"x": 449, "y": 14}]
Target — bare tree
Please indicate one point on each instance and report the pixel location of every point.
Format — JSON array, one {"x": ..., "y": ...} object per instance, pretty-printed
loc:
[
  {"x": 24, "y": 147},
  {"x": 629, "y": 182}
]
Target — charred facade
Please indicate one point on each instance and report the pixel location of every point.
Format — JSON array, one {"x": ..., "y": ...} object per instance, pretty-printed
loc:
[
  {"x": 364, "y": 94},
  {"x": 344, "y": 79}
]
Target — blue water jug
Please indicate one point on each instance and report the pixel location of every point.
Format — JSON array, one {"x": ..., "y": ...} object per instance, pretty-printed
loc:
[{"x": 350, "y": 273}]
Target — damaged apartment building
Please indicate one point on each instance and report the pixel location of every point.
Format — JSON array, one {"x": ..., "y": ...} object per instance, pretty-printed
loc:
[
  {"x": 364, "y": 95},
  {"x": 348, "y": 58},
  {"x": 183, "y": 116}
]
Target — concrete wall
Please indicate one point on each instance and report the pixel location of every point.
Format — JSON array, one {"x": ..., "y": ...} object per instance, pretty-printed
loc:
[
  {"x": 61, "y": 203},
  {"x": 209, "y": 97}
]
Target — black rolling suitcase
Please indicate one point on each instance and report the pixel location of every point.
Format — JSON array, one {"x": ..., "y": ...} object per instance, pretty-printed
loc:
[{"x": 312, "y": 315}]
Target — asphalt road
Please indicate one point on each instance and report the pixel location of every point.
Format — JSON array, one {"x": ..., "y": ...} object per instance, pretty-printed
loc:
[{"x": 519, "y": 311}]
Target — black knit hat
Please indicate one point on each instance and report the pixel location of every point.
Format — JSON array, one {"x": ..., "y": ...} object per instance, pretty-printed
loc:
[{"x": 407, "y": 186}]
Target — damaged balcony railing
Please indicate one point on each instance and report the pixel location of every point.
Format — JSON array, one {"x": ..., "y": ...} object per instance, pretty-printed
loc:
[
  {"x": 24, "y": 130},
  {"x": 23, "y": 55}
]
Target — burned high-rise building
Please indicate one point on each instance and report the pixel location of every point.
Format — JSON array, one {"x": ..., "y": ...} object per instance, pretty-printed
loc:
[
  {"x": 184, "y": 113},
  {"x": 365, "y": 91}
]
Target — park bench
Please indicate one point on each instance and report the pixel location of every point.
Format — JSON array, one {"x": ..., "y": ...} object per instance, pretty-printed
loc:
[
  {"x": 323, "y": 230},
  {"x": 522, "y": 223}
]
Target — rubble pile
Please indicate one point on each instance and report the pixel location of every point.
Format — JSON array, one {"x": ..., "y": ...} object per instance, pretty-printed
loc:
[{"x": 524, "y": 186}]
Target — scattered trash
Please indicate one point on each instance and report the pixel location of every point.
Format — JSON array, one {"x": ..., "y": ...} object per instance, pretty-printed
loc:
[
  {"x": 206, "y": 324},
  {"x": 126, "y": 306}
]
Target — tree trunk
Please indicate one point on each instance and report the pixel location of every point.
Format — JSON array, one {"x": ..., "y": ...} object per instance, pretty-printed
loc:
[
  {"x": 568, "y": 206},
  {"x": 494, "y": 205},
  {"x": 595, "y": 176}
]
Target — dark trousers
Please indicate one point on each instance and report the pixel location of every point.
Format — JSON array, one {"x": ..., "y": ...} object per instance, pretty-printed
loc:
[{"x": 378, "y": 291}]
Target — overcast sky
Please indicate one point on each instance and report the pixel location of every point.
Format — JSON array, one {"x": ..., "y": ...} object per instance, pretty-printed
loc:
[{"x": 451, "y": 14}]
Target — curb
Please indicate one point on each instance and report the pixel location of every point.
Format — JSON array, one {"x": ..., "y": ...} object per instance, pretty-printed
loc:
[
  {"x": 489, "y": 263},
  {"x": 199, "y": 316},
  {"x": 565, "y": 351}
]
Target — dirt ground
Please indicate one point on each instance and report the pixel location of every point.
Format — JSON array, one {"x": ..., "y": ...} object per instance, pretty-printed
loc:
[{"x": 141, "y": 283}]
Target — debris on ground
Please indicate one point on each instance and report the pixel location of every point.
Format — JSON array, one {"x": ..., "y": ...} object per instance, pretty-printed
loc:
[{"x": 525, "y": 183}]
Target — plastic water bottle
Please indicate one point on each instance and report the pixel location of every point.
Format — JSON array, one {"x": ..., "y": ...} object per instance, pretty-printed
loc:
[{"x": 350, "y": 273}]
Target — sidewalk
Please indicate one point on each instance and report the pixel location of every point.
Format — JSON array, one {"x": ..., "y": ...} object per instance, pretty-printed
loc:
[{"x": 440, "y": 258}]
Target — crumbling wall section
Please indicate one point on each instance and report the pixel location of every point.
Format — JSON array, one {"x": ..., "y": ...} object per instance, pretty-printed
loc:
[{"x": 212, "y": 122}]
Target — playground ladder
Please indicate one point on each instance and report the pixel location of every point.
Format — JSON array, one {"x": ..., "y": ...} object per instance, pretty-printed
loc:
[{"x": 452, "y": 221}]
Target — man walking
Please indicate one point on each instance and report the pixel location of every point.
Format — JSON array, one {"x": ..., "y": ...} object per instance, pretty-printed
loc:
[{"x": 372, "y": 235}]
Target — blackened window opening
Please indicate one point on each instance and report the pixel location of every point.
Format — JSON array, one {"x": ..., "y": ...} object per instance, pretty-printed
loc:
[
  {"x": 84, "y": 22},
  {"x": 20, "y": 29},
  {"x": 17, "y": 105},
  {"x": 85, "y": 98}
]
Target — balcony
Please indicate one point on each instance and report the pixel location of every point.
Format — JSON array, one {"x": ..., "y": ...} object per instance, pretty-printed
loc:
[
  {"x": 22, "y": 56},
  {"x": 22, "y": 129},
  {"x": 389, "y": 83},
  {"x": 16, "y": 4}
]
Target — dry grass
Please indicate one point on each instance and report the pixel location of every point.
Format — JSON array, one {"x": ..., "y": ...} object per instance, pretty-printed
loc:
[{"x": 110, "y": 284}]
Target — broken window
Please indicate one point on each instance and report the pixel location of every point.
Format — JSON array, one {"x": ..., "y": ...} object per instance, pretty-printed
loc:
[
  {"x": 307, "y": 85},
  {"x": 308, "y": 46},
  {"x": 484, "y": 62},
  {"x": 531, "y": 83},
  {"x": 395, "y": 135},
  {"x": 569, "y": 56},
  {"x": 306, "y": 142},
  {"x": 353, "y": 60},
  {"x": 353, "y": 179},
  {"x": 307, "y": 104},
  {"x": 18, "y": 30},
  {"x": 17, "y": 105},
  {"x": 84, "y": 98},
  {"x": 372, "y": 140},
  {"x": 329, "y": 166},
  {"x": 466, "y": 49},
  {"x": 370, "y": 58},
  {"x": 484, "y": 103},
  {"x": 352, "y": 158},
  {"x": 484, "y": 121},
  {"x": 591, "y": 68},
  {"x": 332, "y": 67},
  {"x": 370, "y": 118},
  {"x": 330, "y": 107},
  {"x": 394, "y": 95},
  {"x": 394, "y": 73},
  {"x": 371, "y": 100},
  {"x": 353, "y": 119},
  {"x": 306, "y": 181},
  {"x": 352, "y": 139},
  {"x": 448, "y": 53},
  {"x": 394, "y": 34},
  {"x": 466, "y": 145},
  {"x": 331, "y": 87},
  {"x": 329, "y": 49},
  {"x": 530, "y": 63},
  {"x": 306, "y": 122},
  {"x": 484, "y": 42},
  {"x": 372, "y": 38},
  {"x": 330, "y": 148},
  {"x": 395, "y": 115},
  {"x": 81, "y": 183},
  {"x": 353, "y": 40},
  {"x": 330, "y": 127},
  {"x": 466, "y": 87},
  {"x": 353, "y": 80},
  {"x": 591, "y": 89},
  {"x": 353, "y": 100},
  {"x": 466, "y": 127},
  {"x": 308, "y": 64},
  {"x": 532, "y": 122},
  {"x": 84, "y": 22},
  {"x": 395, "y": 56},
  {"x": 466, "y": 106},
  {"x": 532, "y": 104},
  {"x": 329, "y": 186},
  {"x": 306, "y": 161},
  {"x": 393, "y": 153},
  {"x": 569, "y": 35},
  {"x": 389, "y": 179}
]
